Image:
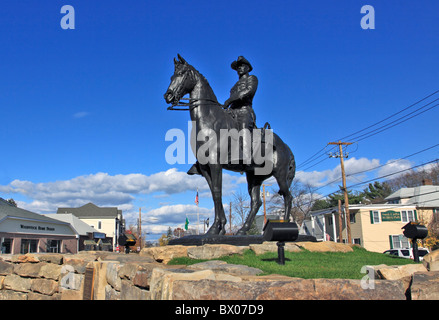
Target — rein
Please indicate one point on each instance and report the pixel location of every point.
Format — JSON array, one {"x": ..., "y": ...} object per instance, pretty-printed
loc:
[{"x": 191, "y": 104}]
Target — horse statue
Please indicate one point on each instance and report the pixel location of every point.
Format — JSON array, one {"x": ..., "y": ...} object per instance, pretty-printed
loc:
[{"x": 208, "y": 116}]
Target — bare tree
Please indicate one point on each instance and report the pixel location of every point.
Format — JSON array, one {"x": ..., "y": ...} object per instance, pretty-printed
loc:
[
  {"x": 414, "y": 178},
  {"x": 240, "y": 209},
  {"x": 303, "y": 199}
]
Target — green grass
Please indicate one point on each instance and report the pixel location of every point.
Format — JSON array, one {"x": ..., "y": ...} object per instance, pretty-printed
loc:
[{"x": 309, "y": 265}]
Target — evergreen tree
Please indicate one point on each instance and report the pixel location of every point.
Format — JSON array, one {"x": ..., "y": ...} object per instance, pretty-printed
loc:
[{"x": 377, "y": 192}]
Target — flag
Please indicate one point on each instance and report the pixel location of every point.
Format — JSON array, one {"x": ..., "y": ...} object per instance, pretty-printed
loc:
[
  {"x": 196, "y": 198},
  {"x": 186, "y": 224}
]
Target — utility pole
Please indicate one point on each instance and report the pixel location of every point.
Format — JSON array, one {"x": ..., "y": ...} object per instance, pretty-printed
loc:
[
  {"x": 340, "y": 223},
  {"x": 344, "y": 189},
  {"x": 230, "y": 216},
  {"x": 263, "y": 196},
  {"x": 140, "y": 228}
]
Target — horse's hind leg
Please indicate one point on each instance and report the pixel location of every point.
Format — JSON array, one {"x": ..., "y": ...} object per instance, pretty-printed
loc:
[
  {"x": 284, "y": 191},
  {"x": 254, "y": 189}
]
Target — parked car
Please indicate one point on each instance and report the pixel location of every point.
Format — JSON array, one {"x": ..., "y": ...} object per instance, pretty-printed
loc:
[{"x": 407, "y": 253}]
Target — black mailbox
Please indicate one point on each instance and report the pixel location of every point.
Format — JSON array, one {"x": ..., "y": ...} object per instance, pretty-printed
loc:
[
  {"x": 127, "y": 239},
  {"x": 280, "y": 231},
  {"x": 415, "y": 231},
  {"x": 276, "y": 230}
]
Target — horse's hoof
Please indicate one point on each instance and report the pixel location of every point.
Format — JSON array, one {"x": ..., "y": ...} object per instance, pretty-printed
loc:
[
  {"x": 241, "y": 233},
  {"x": 213, "y": 231}
]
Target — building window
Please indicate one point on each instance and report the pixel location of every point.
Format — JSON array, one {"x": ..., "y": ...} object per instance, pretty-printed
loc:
[
  {"x": 6, "y": 245},
  {"x": 407, "y": 216},
  {"x": 376, "y": 217},
  {"x": 352, "y": 218},
  {"x": 29, "y": 246},
  {"x": 357, "y": 241},
  {"x": 54, "y": 246},
  {"x": 399, "y": 241},
  {"x": 99, "y": 225}
]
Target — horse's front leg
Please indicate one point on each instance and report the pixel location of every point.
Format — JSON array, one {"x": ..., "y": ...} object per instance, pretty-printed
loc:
[{"x": 214, "y": 179}]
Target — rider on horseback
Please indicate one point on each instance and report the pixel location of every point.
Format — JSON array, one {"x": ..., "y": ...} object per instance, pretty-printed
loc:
[
  {"x": 240, "y": 100},
  {"x": 242, "y": 93}
]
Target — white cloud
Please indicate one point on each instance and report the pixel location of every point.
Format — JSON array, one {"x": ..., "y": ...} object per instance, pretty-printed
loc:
[
  {"x": 393, "y": 166},
  {"x": 177, "y": 213},
  {"x": 109, "y": 190},
  {"x": 352, "y": 165}
]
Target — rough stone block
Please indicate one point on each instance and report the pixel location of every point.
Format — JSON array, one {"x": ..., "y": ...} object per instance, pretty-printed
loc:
[
  {"x": 214, "y": 251},
  {"x": 400, "y": 272},
  {"x": 50, "y": 271},
  {"x": 112, "y": 275},
  {"x": 6, "y": 268},
  {"x": 131, "y": 292},
  {"x": 325, "y": 246},
  {"x": 28, "y": 269},
  {"x": 44, "y": 286},
  {"x": 431, "y": 261},
  {"x": 425, "y": 286},
  {"x": 294, "y": 289},
  {"x": 16, "y": 283},
  {"x": 271, "y": 246},
  {"x": 223, "y": 267},
  {"x": 12, "y": 295},
  {"x": 67, "y": 294},
  {"x": 166, "y": 253}
]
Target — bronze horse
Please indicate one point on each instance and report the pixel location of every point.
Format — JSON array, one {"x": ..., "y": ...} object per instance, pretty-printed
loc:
[{"x": 208, "y": 115}]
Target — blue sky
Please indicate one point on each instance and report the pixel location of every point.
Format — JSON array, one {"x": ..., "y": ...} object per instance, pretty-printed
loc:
[{"x": 83, "y": 115}]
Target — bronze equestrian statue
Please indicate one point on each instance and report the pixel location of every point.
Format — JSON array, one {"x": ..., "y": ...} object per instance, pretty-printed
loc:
[{"x": 211, "y": 120}]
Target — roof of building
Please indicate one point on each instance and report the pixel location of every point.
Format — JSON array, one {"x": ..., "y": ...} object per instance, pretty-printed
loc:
[
  {"x": 378, "y": 206},
  {"x": 91, "y": 210},
  {"x": 8, "y": 210},
  {"x": 422, "y": 196},
  {"x": 81, "y": 227}
]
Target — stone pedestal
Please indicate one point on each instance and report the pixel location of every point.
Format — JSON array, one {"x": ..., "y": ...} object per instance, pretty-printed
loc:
[{"x": 199, "y": 240}]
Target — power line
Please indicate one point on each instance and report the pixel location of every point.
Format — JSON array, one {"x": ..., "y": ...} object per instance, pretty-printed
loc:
[
  {"x": 385, "y": 176},
  {"x": 384, "y": 128},
  {"x": 391, "y": 116},
  {"x": 314, "y": 157},
  {"x": 391, "y": 174},
  {"x": 373, "y": 132},
  {"x": 377, "y": 167}
]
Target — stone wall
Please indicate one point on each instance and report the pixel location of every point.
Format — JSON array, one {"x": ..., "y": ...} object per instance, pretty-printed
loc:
[{"x": 148, "y": 277}]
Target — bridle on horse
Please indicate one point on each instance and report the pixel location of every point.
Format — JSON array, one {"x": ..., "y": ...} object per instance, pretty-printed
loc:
[{"x": 191, "y": 104}]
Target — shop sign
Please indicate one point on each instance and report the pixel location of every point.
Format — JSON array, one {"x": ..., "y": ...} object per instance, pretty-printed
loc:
[
  {"x": 390, "y": 216},
  {"x": 39, "y": 228}
]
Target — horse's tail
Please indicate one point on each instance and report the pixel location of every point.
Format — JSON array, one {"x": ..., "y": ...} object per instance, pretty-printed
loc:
[{"x": 291, "y": 169}]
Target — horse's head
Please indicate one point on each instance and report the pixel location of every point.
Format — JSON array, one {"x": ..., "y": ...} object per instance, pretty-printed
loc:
[{"x": 182, "y": 81}]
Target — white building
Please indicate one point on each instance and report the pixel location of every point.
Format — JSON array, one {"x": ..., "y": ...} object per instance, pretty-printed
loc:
[{"x": 106, "y": 220}]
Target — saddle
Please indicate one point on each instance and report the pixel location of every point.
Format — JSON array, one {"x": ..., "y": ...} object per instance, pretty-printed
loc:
[{"x": 195, "y": 169}]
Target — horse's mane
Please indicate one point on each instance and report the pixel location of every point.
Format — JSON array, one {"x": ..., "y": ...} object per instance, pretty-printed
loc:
[{"x": 202, "y": 78}]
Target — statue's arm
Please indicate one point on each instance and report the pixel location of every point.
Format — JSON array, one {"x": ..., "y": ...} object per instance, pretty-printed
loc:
[{"x": 250, "y": 89}]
